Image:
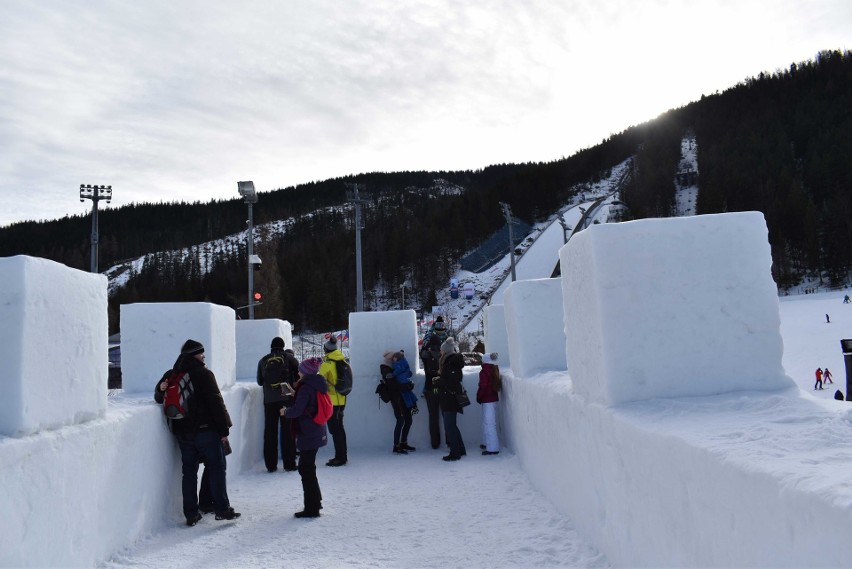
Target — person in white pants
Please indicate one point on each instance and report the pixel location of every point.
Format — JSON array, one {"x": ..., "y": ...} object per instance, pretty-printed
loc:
[{"x": 488, "y": 395}]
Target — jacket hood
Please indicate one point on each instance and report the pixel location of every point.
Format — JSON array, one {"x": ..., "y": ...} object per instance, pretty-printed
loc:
[{"x": 336, "y": 355}]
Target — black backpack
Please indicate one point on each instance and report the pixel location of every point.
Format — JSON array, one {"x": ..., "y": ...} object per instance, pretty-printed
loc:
[
  {"x": 277, "y": 378},
  {"x": 344, "y": 377}
]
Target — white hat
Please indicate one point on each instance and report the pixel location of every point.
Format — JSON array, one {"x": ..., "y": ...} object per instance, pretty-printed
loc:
[
  {"x": 449, "y": 346},
  {"x": 490, "y": 358}
]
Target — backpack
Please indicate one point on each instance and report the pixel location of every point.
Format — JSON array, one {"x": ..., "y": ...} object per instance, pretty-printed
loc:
[
  {"x": 383, "y": 391},
  {"x": 276, "y": 379},
  {"x": 177, "y": 396},
  {"x": 324, "y": 408},
  {"x": 344, "y": 377}
]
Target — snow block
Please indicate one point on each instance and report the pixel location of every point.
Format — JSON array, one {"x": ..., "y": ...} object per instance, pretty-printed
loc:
[
  {"x": 153, "y": 333},
  {"x": 534, "y": 326},
  {"x": 673, "y": 307},
  {"x": 253, "y": 342},
  {"x": 53, "y": 345},
  {"x": 371, "y": 334},
  {"x": 496, "y": 337}
]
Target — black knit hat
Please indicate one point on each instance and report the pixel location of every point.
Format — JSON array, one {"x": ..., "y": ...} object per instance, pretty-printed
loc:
[
  {"x": 191, "y": 347},
  {"x": 277, "y": 343},
  {"x": 331, "y": 345}
]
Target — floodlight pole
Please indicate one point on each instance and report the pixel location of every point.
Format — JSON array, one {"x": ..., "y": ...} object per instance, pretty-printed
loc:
[
  {"x": 507, "y": 213},
  {"x": 246, "y": 189},
  {"x": 354, "y": 198},
  {"x": 95, "y": 193}
]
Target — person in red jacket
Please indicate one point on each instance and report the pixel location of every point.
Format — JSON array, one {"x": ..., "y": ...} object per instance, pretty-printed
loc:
[
  {"x": 818, "y": 384},
  {"x": 488, "y": 395}
]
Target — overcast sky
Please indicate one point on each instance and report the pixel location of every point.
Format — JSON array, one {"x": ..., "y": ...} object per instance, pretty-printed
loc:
[{"x": 178, "y": 100}]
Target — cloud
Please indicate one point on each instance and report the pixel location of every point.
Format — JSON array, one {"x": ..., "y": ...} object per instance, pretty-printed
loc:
[{"x": 178, "y": 100}]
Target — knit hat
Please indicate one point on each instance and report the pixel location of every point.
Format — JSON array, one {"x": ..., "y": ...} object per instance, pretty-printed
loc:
[
  {"x": 449, "y": 346},
  {"x": 387, "y": 358},
  {"x": 310, "y": 366},
  {"x": 439, "y": 324},
  {"x": 277, "y": 342},
  {"x": 191, "y": 347},
  {"x": 331, "y": 345},
  {"x": 490, "y": 358}
]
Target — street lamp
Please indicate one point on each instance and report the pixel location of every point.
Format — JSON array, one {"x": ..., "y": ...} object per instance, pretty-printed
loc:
[
  {"x": 246, "y": 189},
  {"x": 95, "y": 193},
  {"x": 565, "y": 228}
]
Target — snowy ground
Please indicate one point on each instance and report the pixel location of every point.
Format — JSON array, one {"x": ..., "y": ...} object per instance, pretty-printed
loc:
[{"x": 380, "y": 510}]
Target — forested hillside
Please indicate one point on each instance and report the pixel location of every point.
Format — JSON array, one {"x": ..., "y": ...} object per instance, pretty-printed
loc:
[{"x": 778, "y": 143}]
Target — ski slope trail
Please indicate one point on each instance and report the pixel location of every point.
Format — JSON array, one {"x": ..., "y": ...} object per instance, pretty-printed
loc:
[{"x": 380, "y": 510}]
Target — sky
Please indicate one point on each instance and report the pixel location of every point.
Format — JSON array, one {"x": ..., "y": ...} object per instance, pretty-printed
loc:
[{"x": 169, "y": 101}]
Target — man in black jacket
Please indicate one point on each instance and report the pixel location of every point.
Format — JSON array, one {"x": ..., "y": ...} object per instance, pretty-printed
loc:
[
  {"x": 278, "y": 372},
  {"x": 202, "y": 435}
]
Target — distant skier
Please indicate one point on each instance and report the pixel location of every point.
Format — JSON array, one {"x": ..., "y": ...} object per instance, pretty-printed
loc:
[
  {"x": 827, "y": 320},
  {"x": 826, "y": 377},
  {"x": 818, "y": 384},
  {"x": 846, "y": 299}
]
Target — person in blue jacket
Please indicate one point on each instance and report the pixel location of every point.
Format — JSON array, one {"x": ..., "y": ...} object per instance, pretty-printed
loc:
[
  {"x": 403, "y": 401},
  {"x": 309, "y": 435}
]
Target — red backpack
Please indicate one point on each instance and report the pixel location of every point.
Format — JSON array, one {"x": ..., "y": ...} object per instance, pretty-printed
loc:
[
  {"x": 177, "y": 396},
  {"x": 324, "y": 408}
]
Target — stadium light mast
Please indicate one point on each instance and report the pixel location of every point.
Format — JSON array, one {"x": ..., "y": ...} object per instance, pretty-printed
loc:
[
  {"x": 95, "y": 193},
  {"x": 354, "y": 198},
  {"x": 246, "y": 189},
  {"x": 507, "y": 213}
]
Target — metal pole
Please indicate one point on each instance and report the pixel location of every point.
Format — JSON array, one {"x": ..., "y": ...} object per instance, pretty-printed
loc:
[
  {"x": 250, "y": 266},
  {"x": 359, "y": 225},
  {"x": 507, "y": 213},
  {"x": 95, "y": 234},
  {"x": 403, "y": 296},
  {"x": 359, "y": 300}
]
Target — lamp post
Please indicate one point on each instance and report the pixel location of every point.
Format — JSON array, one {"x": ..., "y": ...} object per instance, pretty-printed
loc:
[
  {"x": 95, "y": 193},
  {"x": 507, "y": 213},
  {"x": 354, "y": 198},
  {"x": 246, "y": 189},
  {"x": 565, "y": 228}
]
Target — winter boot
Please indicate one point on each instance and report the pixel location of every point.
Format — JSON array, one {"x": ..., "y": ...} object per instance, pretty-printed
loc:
[
  {"x": 405, "y": 446},
  {"x": 397, "y": 449}
]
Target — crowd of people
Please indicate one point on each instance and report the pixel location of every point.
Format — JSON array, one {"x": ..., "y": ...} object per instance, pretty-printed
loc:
[{"x": 293, "y": 392}]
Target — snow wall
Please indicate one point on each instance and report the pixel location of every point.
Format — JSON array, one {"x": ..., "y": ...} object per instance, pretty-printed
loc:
[
  {"x": 655, "y": 445},
  {"x": 592, "y": 441}
]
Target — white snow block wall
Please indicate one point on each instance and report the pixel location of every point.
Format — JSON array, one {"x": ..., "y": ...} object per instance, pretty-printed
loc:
[
  {"x": 534, "y": 327},
  {"x": 253, "y": 342},
  {"x": 153, "y": 333},
  {"x": 496, "y": 337},
  {"x": 710, "y": 272},
  {"x": 53, "y": 345},
  {"x": 369, "y": 423}
]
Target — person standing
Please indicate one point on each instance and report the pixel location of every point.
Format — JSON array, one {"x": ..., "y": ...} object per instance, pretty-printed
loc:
[
  {"x": 202, "y": 435},
  {"x": 277, "y": 372},
  {"x": 328, "y": 370},
  {"x": 309, "y": 435},
  {"x": 818, "y": 384},
  {"x": 430, "y": 353},
  {"x": 826, "y": 377},
  {"x": 403, "y": 401},
  {"x": 448, "y": 385},
  {"x": 487, "y": 395}
]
